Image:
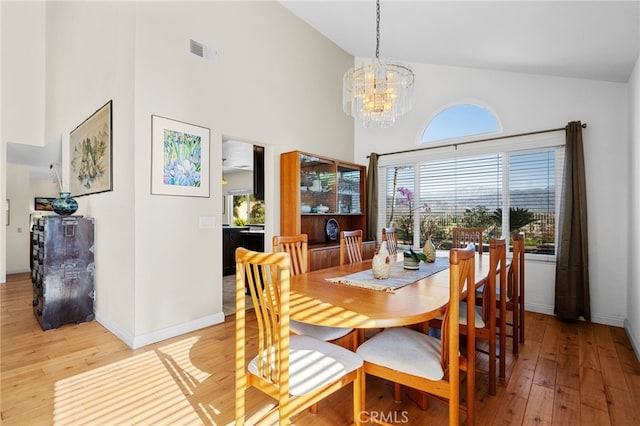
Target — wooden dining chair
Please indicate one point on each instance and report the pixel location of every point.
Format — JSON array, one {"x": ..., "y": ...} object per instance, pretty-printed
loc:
[
  {"x": 351, "y": 246},
  {"x": 520, "y": 239},
  {"x": 390, "y": 235},
  {"x": 461, "y": 237},
  {"x": 417, "y": 360},
  {"x": 486, "y": 312},
  {"x": 514, "y": 300},
  {"x": 297, "y": 371},
  {"x": 297, "y": 247},
  {"x": 493, "y": 312}
]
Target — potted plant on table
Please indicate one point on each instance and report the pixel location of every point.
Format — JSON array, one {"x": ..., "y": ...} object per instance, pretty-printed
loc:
[{"x": 412, "y": 259}]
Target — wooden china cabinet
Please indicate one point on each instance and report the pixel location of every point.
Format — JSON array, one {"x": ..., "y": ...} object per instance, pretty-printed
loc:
[{"x": 321, "y": 196}]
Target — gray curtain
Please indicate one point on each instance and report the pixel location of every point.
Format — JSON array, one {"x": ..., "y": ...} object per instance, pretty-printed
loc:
[
  {"x": 372, "y": 198},
  {"x": 572, "y": 267}
]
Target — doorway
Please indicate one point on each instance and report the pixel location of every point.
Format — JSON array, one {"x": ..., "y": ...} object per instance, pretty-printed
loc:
[{"x": 244, "y": 213}]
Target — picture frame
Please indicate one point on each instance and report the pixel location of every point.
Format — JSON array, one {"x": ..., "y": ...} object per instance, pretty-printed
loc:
[
  {"x": 43, "y": 204},
  {"x": 91, "y": 154},
  {"x": 179, "y": 158}
]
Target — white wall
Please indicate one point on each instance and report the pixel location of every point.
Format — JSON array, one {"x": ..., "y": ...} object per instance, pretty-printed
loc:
[
  {"x": 267, "y": 59},
  {"x": 83, "y": 73},
  {"x": 158, "y": 272},
  {"x": 19, "y": 196},
  {"x": 632, "y": 323},
  {"x": 525, "y": 103},
  {"x": 3, "y": 161},
  {"x": 21, "y": 99},
  {"x": 23, "y": 72}
]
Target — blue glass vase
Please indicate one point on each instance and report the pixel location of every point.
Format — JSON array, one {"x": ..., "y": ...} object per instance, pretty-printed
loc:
[{"x": 65, "y": 205}]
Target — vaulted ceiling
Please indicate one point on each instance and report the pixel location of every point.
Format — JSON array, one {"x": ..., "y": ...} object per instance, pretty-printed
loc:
[{"x": 582, "y": 39}]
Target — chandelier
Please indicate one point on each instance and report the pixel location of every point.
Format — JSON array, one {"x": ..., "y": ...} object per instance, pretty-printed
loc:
[{"x": 379, "y": 91}]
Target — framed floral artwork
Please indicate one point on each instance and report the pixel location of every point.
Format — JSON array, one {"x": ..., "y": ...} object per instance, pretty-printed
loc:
[
  {"x": 179, "y": 158},
  {"x": 90, "y": 146}
]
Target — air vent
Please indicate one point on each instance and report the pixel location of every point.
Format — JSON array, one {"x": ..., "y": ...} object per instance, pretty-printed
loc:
[
  {"x": 196, "y": 48},
  {"x": 203, "y": 51}
]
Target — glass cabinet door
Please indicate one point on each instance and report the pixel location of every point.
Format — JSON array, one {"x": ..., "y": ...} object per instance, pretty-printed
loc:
[
  {"x": 327, "y": 187},
  {"x": 317, "y": 185},
  {"x": 349, "y": 187}
]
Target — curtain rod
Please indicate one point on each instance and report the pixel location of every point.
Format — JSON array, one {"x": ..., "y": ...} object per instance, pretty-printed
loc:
[{"x": 584, "y": 126}]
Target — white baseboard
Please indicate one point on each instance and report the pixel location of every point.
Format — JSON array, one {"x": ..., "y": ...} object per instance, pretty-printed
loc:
[
  {"x": 18, "y": 271},
  {"x": 632, "y": 338},
  {"x": 598, "y": 319},
  {"x": 541, "y": 309},
  {"x": 126, "y": 337},
  {"x": 607, "y": 320},
  {"x": 177, "y": 330},
  {"x": 135, "y": 342}
]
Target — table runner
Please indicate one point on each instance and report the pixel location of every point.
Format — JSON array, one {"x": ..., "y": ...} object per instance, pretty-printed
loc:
[{"x": 398, "y": 276}]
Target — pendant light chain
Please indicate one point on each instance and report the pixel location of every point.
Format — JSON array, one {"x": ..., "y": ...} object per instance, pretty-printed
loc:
[{"x": 377, "y": 29}]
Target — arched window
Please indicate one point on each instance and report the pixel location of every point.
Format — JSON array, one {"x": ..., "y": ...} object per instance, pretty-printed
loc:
[
  {"x": 459, "y": 121},
  {"x": 431, "y": 190}
]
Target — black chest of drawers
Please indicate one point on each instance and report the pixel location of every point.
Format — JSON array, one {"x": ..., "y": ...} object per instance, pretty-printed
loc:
[{"x": 62, "y": 270}]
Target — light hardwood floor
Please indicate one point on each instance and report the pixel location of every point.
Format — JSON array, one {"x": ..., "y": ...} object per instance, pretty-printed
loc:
[
  {"x": 229, "y": 296},
  {"x": 565, "y": 374}
]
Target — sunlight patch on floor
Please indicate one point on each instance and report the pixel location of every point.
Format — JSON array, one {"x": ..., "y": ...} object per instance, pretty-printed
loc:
[{"x": 151, "y": 388}]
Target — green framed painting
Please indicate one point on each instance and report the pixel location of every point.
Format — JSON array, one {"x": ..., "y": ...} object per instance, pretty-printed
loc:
[{"x": 179, "y": 158}]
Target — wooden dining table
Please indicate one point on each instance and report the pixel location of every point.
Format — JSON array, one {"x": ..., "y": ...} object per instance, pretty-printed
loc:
[{"x": 315, "y": 300}]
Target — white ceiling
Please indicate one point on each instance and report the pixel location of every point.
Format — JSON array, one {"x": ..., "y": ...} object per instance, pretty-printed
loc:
[
  {"x": 37, "y": 159},
  {"x": 582, "y": 39}
]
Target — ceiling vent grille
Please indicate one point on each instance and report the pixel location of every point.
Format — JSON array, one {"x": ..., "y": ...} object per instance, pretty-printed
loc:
[
  {"x": 196, "y": 48},
  {"x": 203, "y": 51}
]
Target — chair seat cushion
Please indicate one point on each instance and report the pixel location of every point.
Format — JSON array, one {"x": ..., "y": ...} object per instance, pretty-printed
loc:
[
  {"x": 318, "y": 331},
  {"x": 314, "y": 363},
  {"x": 478, "y": 317},
  {"x": 405, "y": 350},
  {"x": 463, "y": 315}
]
